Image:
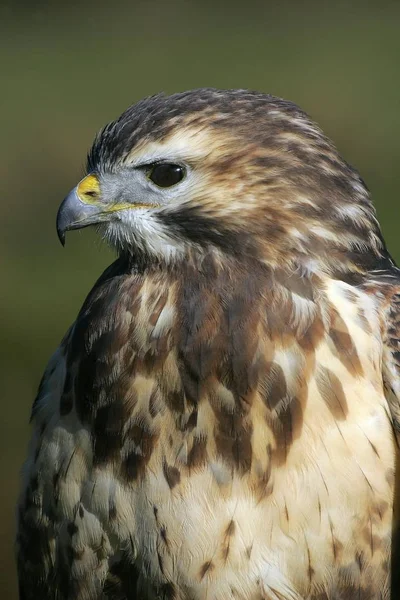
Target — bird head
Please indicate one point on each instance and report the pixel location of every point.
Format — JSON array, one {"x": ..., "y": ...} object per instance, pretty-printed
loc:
[{"x": 230, "y": 171}]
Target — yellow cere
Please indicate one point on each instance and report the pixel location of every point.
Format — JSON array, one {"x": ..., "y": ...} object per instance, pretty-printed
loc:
[{"x": 88, "y": 189}]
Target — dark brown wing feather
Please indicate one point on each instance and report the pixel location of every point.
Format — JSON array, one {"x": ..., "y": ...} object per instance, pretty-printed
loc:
[{"x": 43, "y": 573}]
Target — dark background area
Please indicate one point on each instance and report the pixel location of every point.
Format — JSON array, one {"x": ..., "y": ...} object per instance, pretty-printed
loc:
[{"x": 67, "y": 69}]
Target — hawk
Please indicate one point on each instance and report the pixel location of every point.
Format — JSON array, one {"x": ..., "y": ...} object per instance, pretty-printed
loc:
[{"x": 222, "y": 419}]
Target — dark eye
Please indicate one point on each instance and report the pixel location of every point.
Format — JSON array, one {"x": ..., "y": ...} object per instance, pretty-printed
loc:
[{"x": 166, "y": 174}]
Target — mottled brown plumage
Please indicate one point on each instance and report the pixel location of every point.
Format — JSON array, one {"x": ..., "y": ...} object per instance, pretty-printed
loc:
[{"x": 221, "y": 420}]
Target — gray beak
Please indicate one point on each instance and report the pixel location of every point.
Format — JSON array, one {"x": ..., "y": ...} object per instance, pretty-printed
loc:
[{"x": 80, "y": 208}]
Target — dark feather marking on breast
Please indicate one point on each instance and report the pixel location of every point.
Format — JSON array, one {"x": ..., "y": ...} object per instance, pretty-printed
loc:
[
  {"x": 122, "y": 579},
  {"x": 286, "y": 413},
  {"x": 133, "y": 466},
  {"x": 207, "y": 567},
  {"x": 236, "y": 449},
  {"x": 175, "y": 400},
  {"x": 164, "y": 537},
  {"x": 168, "y": 591},
  {"x": 373, "y": 540},
  {"x": 191, "y": 422},
  {"x": 248, "y": 551},
  {"x": 145, "y": 439},
  {"x": 197, "y": 455},
  {"x": 278, "y": 322},
  {"x": 172, "y": 475},
  {"x": 343, "y": 345},
  {"x": 190, "y": 377},
  {"x": 107, "y": 430},
  {"x": 285, "y": 508},
  {"x": 310, "y": 569},
  {"x": 337, "y": 546},
  {"x": 364, "y": 323},
  {"x": 264, "y": 485},
  {"x": 372, "y": 445},
  {"x": 146, "y": 363},
  {"x": 227, "y": 538},
  {"x": 233, "y": 436},
  {"x": 332, "y": 392},
  {"x": 310, "y": 339},
  {"x": 282, "y": 426},
  {"x": 155, "y": 403},
  {"x": 320, "y": 508},
  {"x": 273, "y": 387}
]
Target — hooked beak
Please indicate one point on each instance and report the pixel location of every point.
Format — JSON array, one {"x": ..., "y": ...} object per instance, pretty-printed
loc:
[
  {"x": 81, "y": 208},
  {"x": 86, "y": 206}
]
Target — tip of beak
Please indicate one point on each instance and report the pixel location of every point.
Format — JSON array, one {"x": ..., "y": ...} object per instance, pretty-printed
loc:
[{"x": 61, "y": 236}]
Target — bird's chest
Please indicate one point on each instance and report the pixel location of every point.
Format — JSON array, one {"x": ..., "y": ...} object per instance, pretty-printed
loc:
[
  {"x": 262, "y": 466},
  {"x": 197, "y": 527},
  {"x": 320, "y": 521},
  {"x": 240, "y": 460}
]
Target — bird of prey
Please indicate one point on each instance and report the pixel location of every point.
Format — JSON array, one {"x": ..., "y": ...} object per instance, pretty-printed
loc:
[{"x": 221, "y": 421}]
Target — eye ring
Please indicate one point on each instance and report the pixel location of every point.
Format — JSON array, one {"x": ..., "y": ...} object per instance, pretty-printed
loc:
[{"x": 165, "y": 175}]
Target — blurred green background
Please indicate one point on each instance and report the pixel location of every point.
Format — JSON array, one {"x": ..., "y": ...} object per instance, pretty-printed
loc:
[{"x": 68, "y": 68}]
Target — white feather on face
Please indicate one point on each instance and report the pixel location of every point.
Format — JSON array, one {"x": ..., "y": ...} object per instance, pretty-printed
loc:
[{"x": 138, "y": 229}]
